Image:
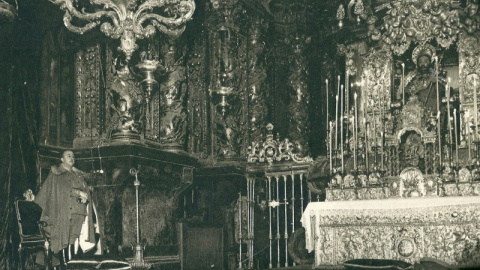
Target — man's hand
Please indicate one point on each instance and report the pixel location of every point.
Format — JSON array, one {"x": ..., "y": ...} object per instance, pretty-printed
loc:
[
  {"x": 83, "y": 200},
  {"x": 83, "y": 196}
]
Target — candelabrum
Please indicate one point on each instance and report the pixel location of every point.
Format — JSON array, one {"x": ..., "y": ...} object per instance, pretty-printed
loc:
[{"x": 127, "y": 20}]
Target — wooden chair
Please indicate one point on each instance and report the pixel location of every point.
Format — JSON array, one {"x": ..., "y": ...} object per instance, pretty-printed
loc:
[{"x": 30, "y": 230}]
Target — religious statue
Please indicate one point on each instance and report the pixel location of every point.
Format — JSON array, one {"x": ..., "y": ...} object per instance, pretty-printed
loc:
[{"x": 420, "y": 84}]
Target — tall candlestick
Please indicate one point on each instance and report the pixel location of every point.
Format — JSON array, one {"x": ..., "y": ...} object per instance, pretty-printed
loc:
[
  {"x": 342, "y": 93},
  {"x": 403, "y": 83},
  {"x": 449, "y": 124},
  {"x": 336, "y": 123},
  {"x": 475, "y": 107},
  {"x": 355, "y": 132},
  {"x": 366, "y": 145},
  {"x": 438, "y": 115},
  {"x": 382, "y": 119},
  {"x": 456, "y": 135}
]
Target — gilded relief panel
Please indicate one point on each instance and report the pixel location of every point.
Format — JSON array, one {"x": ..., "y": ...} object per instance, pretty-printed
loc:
[{"x": 88, "y": 97}]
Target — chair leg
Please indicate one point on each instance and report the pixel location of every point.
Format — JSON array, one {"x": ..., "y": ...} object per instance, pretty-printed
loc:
[
  {"x": 48, "y": 259},
  {"x": 20, "y": 260}
]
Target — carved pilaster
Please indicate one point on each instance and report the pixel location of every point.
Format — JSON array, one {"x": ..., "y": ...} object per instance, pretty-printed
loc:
[
  {"x": 88, "y": 96},
  {"x": 198, "y": 98}
]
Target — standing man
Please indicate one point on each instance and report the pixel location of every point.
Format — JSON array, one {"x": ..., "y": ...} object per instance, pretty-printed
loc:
[{"x": 64, "y": 198}]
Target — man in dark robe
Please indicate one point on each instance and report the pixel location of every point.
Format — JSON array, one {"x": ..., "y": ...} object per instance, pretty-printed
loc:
[{"x": 65, "y": 200}]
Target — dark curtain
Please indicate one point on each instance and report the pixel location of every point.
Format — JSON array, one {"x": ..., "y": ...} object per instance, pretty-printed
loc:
[{"x": 19, "y": 90}]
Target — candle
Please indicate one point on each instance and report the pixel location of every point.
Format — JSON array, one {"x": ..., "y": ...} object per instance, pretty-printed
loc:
[
  {"x": 327, "y": 98},
  {"x": 364, "y": 97},
  {"x": 355, "y": 132},
  {"x": 436, "y": 82},
  {"x": 456, "y": 135},
  {"x": 469, "y": 135},
  {"x": 347, "y": 92},
  {"x": 330, "y": 142},
  {"x": 403, "y": 83},
  {"x": 375, "y": 144},
  {"x": 382, "y": 156},
  {"x": 366, "y": 145}
]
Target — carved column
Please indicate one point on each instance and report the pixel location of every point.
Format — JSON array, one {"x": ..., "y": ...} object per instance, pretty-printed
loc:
[
  {"x": 257, "y": 75},
  {"x": 299, "y": 128},
  {"x": 172, "y": 111}
]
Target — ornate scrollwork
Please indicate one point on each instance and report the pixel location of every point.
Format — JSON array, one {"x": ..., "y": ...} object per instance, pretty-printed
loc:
[
  {"x": 126, "y": 19},
  {"x": 272, "y": 150}
]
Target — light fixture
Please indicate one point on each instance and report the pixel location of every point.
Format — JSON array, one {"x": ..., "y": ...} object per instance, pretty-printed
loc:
[
  {"x": 127, "y": 20},
  {"x": 224, "y": 87}
]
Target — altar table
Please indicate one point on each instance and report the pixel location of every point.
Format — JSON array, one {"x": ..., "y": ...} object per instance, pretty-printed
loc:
[{"x": 445, "y": 228}]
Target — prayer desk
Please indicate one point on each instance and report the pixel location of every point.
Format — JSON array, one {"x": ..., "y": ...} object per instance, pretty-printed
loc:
[{"x": 445, "y": 228}]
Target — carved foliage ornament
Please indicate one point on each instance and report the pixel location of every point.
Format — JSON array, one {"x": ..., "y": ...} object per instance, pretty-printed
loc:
[
  {"x": 272, "y": 150},
  {"x": 409, "y": 21},
  {"x": 128, "y": 20}
]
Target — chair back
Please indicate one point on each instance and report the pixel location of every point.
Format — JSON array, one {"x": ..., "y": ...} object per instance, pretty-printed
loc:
[{"x": 28, "y": 217}]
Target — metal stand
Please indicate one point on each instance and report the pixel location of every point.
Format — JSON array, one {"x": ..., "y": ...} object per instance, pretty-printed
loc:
[{"x": 138, "y": 261}]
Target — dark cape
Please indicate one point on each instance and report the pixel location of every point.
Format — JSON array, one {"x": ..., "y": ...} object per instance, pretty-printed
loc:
[{"x": 61, "y": 207}]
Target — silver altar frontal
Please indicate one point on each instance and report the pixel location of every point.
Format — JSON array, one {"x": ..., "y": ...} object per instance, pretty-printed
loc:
[{"x": 445, "y": 228}]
